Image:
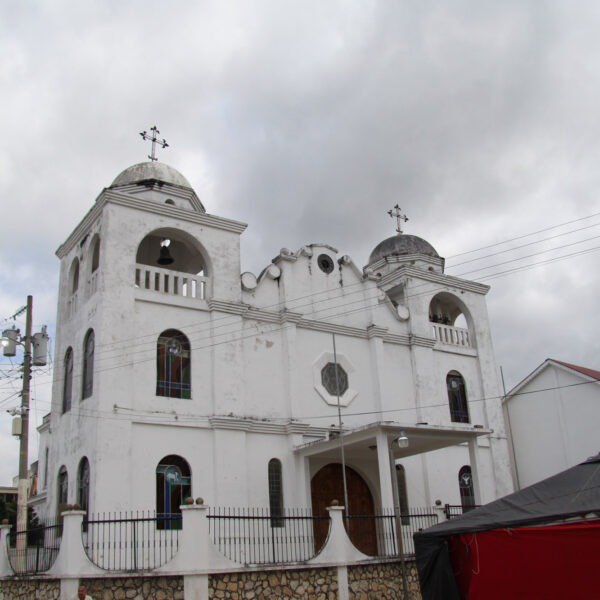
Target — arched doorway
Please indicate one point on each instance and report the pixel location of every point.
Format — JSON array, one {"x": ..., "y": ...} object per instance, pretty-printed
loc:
[{"x": 327, "y": 485}]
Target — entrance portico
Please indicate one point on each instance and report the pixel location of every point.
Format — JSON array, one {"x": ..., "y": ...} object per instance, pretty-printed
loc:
[{"x": 375, "y": 446}]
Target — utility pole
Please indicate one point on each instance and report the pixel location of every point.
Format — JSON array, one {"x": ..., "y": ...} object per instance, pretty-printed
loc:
[{"x": 24, "y": 437}]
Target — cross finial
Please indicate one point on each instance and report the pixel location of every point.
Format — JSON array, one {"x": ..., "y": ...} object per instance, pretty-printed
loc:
[
  {"x": 396, "y": 214},
  {"x": 154, "y": 139}
]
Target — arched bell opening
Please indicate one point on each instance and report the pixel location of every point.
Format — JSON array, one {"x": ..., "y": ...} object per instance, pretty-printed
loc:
[
  {"x": 452, "y": 323},
  {"x": 174, "y": 262},
  {"x": 173, "y": 249}
]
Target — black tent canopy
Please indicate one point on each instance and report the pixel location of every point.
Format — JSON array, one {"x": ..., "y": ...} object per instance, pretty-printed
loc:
[{"x": 574, "y": 492}]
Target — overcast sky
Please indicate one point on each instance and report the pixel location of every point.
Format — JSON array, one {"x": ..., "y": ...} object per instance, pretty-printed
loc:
[{"x": 308, "y": 121}]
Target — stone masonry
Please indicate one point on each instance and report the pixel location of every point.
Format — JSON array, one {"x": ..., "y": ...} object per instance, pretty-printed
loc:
[
  {"x": 383, "y": 581},
  {"x": 135, "y": 588},
  {"x": 310, "y": 584},
  {"x": 29, "y": 589}
]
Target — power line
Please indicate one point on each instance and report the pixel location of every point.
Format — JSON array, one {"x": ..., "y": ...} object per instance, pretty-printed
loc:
[
  {"x": 513, "y": 248},
  {"x": 520, "y": 237},
  {"x": 276, "y": 328},
  {"x": 188, "y": 417}
]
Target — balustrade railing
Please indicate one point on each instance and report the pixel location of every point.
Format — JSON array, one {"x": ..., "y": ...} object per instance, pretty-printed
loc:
[
  {"x": 170, "y": 282},
  {"x": 456, "y": 336},
  {"x": 139, "y": 541},
  {"x": 36, "y": 549},
  {"x": 253, "y": 536}
]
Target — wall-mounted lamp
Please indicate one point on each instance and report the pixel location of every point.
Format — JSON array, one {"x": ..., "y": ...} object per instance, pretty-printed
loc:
[{"x": 402, "y": 440}]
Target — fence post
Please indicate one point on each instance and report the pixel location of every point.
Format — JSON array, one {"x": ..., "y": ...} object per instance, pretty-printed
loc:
[
  {"x": 4, "y": 562},
  {"x": 441, "y": 512},
  {"x": 72, "y": 561},
  {"x": 338, "y": 549},
  {"x": 197, "y": 553}
]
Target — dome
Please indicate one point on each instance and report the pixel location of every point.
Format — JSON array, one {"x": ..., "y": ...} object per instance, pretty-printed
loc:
[
  {"x": 402, "y": 245},
  {"x": 151, "y": 170}
]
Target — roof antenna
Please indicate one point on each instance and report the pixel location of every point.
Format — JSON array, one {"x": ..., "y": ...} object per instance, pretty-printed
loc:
[{"x": 154, "y": 139}]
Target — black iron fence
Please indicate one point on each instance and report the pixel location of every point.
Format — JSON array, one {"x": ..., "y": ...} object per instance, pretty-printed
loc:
[
  {"x": 250, "y": 536},
  {"x": 455, "y": 510},
  {"x": 36, "y": 549},
  {"x": 389, "y": 533},
  {"x": 138, "y": 541}
]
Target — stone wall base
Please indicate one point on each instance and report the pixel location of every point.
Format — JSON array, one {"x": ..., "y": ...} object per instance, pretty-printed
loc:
[{"x": 373, "y": 581}]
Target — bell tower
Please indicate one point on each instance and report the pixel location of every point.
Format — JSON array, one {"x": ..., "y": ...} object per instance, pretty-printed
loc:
[{"x": 139, "y": 275}]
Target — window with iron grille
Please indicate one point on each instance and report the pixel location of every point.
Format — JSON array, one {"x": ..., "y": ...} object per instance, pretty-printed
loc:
[
  {"x": 87, "y": 387},
  {"x": 173, "y": 365},
  {"x": 402, "y": 494},
  {"x": 173, "y": 487},
  {"x": 62, "y": 491},
  {"x": 465, "y": 485},
  {"x": 83, "y": 484},
  {"x": 328, "y": 379},
  {"x": 68, "y": 380},
  {"x": 457, "y": 398},
  {"x": 276, "y": 493}
]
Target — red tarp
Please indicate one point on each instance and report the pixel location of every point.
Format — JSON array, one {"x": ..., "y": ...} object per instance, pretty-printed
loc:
[{"x": 554, "y": 561}]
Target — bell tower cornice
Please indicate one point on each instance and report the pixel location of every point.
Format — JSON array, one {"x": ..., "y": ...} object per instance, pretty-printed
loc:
[{"x": 111, "y": 196}]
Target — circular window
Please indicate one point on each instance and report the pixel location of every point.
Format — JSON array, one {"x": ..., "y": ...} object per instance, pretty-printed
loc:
[
  {"x": 328, "y": 379},
  {"x": 169, "y": 201},
  {"x": 325, "y": 263}
]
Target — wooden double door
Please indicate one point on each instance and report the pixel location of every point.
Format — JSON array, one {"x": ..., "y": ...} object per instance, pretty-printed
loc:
[{"x": 327, "y": 485}]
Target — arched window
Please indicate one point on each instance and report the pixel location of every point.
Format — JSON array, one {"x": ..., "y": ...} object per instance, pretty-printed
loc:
[
  {"x": 68, "y": 380},
  {"x": 402, "y": 494},
  {"x": 465, "y": 485},
  {"x": 173, "y": 486},
  {"x": 83, "y": 485},
  {"x": 87, "y": 386},
  {"x": 173, "y": 365},
  {"x": 62, "y": 490},
  {"x": 457, "y": 398},
  {"x": 74, "y": 276},
  {"x": 275, "y": 493},
  {"x": 95, "y": 255}
]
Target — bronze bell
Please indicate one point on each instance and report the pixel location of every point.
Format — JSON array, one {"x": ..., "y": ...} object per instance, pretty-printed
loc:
[{"x": 165, "y": 257}]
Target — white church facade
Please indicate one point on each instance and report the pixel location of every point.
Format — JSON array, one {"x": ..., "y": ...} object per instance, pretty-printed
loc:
[{"x": 177, "y": 375}]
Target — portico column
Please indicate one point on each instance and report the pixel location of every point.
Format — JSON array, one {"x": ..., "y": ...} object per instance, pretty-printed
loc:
[
  {"x": 474, "y": 459},
  {"x": 385, "y": 471}
]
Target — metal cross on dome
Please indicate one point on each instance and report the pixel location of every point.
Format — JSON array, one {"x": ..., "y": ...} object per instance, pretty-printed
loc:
[
  {"x": 154, "y": 139},
  {"x": 396, "y": 214}
]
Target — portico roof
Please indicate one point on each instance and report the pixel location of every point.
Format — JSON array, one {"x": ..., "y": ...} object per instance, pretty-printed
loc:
[{"x": 422, "y": 437}]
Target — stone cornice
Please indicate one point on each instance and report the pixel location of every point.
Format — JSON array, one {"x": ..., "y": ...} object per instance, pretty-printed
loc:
[
  {"x": 405, "y": 258},
  {"x": 286, "y": 317},
  {"x": 433, "y": 277},
  {"x": 266, "y": 426},
  {"x": 109, "y": 196}
]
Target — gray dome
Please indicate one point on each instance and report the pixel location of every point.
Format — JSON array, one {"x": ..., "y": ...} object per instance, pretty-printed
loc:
[
  {"x": 151, "y": 170},
  {"x": 402, "y": 245}
]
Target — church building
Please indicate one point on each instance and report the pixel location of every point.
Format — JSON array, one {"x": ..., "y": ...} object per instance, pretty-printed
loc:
[{"x": 178, "y": 375}]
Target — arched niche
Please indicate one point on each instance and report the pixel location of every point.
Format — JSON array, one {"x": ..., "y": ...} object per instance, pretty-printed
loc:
[{"x": 189, "y": 256}]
